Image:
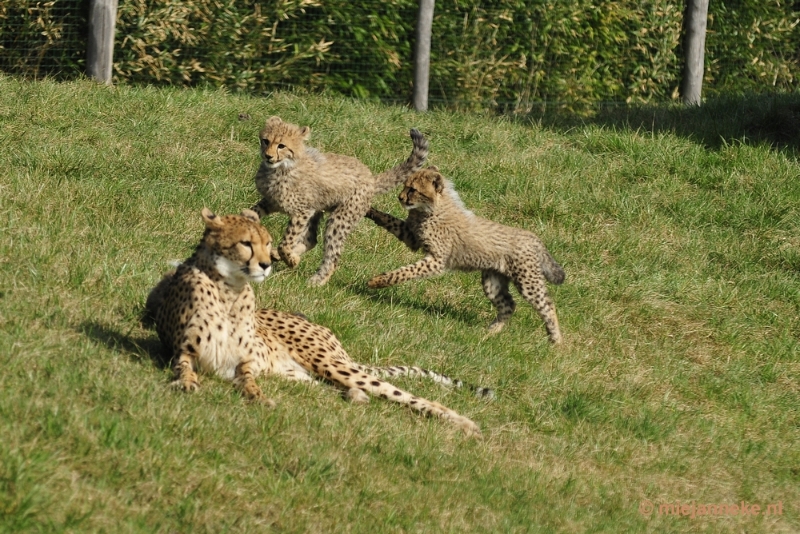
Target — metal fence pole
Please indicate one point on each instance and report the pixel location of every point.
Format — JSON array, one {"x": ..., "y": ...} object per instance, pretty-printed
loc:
[
  {"x": 694, "y": 47},
  {"x": 422, "y": 54},
  {"x": 100, "y": 45}
]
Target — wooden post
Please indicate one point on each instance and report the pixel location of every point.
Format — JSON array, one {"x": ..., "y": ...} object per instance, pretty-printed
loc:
[
  {"x": 100, "y": 47},
  {"x": 694, "y": 43},
  {"x": 422, "y": 54}
]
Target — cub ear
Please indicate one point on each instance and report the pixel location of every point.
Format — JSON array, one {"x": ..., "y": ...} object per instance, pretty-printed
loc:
[
  {"x": 438, "y": 182},
  {"x": 274, "y": 120},
  {"x": 212, "y": 221},
  {"x": 433, "y": 168},
  {"x": 305, "y": 133},
  {"x": 250, "y": 214}
]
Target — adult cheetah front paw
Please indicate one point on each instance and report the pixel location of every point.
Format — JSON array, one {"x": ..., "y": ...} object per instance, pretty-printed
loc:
[
  {"x": 378, "y": 282},
  {"x": 187, "y": 384}
]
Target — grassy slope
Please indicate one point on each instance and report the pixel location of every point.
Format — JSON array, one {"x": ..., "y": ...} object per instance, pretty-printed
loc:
[{"x": 678, "y": 380}]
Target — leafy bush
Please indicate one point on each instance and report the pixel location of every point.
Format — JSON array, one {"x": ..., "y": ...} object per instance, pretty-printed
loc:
[
  {"x": 43, "y": 38},
  {"x": 510, "y": 54}
]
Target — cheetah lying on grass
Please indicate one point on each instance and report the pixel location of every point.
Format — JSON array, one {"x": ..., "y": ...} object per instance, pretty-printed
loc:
[{"x": 205, "y": 312}]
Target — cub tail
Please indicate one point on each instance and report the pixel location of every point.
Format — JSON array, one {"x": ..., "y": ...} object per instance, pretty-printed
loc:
[
  {"x": 552, "y": 270},
  {"x": 395, "y": 176}
]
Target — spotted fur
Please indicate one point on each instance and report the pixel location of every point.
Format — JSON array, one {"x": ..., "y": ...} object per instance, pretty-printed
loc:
[
  {"x": 453, "y": 237},
  {"x": 303, "y": 183},
  {"x": 205, "y": 313}
]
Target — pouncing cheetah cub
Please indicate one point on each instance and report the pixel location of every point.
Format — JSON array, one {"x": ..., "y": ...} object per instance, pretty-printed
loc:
[
  {"x": 205, "y": 313},
  {"x": 303, "y": 183},
  {"x": 455, "y": 238}
]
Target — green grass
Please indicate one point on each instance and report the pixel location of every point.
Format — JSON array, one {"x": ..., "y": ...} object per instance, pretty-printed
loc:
[{"x": 678, "y": 381}]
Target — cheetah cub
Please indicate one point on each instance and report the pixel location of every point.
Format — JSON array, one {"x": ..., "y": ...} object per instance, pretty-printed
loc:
[
  {"x": 455, "y": 238},
  {"x": 205, "y": 313},
  {"x": 303, "y": 183}
]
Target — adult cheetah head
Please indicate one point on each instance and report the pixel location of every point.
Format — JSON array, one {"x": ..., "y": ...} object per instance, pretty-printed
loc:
[
  {"x": 240, "y": 245},
  {"x": 282, "y": 142},
  {"x": 422, "y": 189}
]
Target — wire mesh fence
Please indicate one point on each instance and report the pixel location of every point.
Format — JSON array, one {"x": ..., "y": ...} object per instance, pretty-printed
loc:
[
  {"x": 40, "y": 39},
  {"x": 501, "y": 54}
]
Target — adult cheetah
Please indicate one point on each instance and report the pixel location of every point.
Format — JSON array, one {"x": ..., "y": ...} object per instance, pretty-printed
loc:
[{"x": 205, "y": 313}]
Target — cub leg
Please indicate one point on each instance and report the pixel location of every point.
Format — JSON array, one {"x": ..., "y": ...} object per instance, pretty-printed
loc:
[
  {"x": 341, "y": 222},
  {"x": 310, "y": 236},
  {"x": 185, "y": 376},
  {"x": 394, "y": 226},
  {"x": 495, "y": 287},
  {"x": 533, "y": 289},
  {"x": 297, "y": 228},
  {"x": 427, "y": 266}
]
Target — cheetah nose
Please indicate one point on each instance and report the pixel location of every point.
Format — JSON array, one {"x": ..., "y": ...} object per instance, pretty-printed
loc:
[{"x": 264, "y": 265}]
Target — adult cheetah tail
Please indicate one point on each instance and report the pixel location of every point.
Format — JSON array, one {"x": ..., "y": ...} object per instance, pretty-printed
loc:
[
  {"x": 397, "y": 175},
  {"x": 552, "y": 270},
  {"x": 402, "y": 370}
]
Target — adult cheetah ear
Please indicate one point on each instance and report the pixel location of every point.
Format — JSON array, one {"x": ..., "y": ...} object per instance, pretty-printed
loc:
[
  {"x": 213, "y": 222},
  {"x": 305, "y": 133},
  {"x": 250, "y": 214}
]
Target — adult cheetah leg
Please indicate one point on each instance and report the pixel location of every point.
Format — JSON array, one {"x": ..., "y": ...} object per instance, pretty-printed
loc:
[
  {"x": 244, "y": 380},
  {"x": 495, "y": 287},
  {"x": 185, "y": 377},
  {"x": 341, "y": 222},
  {"x": 427, "y": 266},
  {"x": 296, "y": 229},
  {"x": 534, "y": 290}
]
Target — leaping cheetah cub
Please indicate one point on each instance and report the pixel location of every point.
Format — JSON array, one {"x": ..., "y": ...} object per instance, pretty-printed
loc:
[
  {"x": 303, "y": 183},
  {"x": 455, "y": 238},
  {"x": 205, "y": 312}
]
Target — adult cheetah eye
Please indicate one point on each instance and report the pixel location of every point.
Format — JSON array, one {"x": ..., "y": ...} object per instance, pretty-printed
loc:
[
  {"x": 281, "y": 146},
  {"x": 247, "y": 244}
]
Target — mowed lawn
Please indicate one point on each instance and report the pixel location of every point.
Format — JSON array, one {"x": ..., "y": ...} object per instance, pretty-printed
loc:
[{"x": 672, "y": 404}]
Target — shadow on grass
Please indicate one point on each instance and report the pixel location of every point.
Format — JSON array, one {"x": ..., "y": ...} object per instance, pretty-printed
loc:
[
  {"x": 135, "y": 347},
  {"x": 441, "y": 309},
  {"x": 751, "y": 119}
]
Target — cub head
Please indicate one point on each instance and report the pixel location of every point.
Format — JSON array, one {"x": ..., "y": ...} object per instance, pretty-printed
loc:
[
  {"x": 281, "y": 142},
  {"x": 240, "y": 245},
  {"x": 422, "y": 189}
]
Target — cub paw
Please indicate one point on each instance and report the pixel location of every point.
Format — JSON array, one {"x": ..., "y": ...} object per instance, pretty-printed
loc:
[
  {"x": 290, "y": 258},
  {"x": 318, "y": 280},
  {"x": 496, "y": 327}
]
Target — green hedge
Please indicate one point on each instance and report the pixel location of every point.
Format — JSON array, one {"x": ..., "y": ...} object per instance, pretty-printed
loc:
[{"x": 498, "y": 53}]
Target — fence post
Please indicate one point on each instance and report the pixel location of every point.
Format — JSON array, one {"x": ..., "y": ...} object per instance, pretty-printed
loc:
[
  {"x": 694, "y": 43},
  {"x": 100, "y": 45},
  {"x": 422, "y": 54}
]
